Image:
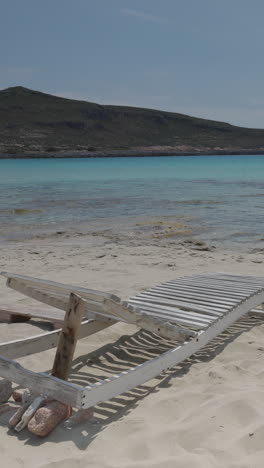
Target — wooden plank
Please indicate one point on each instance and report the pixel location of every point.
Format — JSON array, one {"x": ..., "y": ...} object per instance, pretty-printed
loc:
[
  {"x": 169, "y": 301},
  {"x": 39, "y": 343},
  {"x": 186, "y": 298},
  {"x": 259, "y": 312},
  {"x": 58, "y": 303},
  {"x": 13, "y": 315},
  {"x": 133, "y": 315},
  {"x": 219, "y": 279},
  {"x": 209, "y": 288},
  {"x": 125, "y": 381},
  {"x": 220, "y": 298},
  {"x": 180, "y": 321},
  {"x": 222, "y": 285},
  {"x": 192, "y": 295},
  {"x": 44, "y": 384},
  {"x": 172, "y": 311},
  {"x": 53, "y": 285},
  {"x": 68, "y": 337},
  {"x": 243, "y": 280}
]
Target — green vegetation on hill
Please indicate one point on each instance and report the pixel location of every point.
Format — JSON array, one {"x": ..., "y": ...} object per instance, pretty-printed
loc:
[{"x": 35, "y": 122}]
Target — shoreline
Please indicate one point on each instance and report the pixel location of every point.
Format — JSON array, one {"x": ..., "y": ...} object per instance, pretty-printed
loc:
[{"x": 138, "y": 153}]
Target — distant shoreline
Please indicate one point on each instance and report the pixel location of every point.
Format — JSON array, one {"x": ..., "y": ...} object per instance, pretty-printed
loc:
[{"x": 133, "y": 153}]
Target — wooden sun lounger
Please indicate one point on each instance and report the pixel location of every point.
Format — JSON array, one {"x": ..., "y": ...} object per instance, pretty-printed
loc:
[{"x": 191, "y": 311}]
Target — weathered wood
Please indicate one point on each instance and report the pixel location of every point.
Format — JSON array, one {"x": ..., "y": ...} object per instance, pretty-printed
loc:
[
  {"x": 27, "y": 399},
  {"x": 68, "y": 337},
  {"x": 54, "y": 286},
  {"x": 42, "y": 384},
  {"x": 30, "y": 411},
  {"x": 57, "y": 302},
  {"x": 206, "y": 289},
  {"x": 165, "y": 302},
  {"x": 259, "y": 312},
  {"x": 38, "y": 343},
  {"x": 173, "y": 311},
  {"x": 149, "y": 322},
  {"x": 151, "y": 311},
  {"x": 123, "y": 382},
  {"x": 19, "y": 315}
]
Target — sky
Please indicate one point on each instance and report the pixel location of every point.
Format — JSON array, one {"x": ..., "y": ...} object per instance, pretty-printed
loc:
[{"x": 198, "y": 57}]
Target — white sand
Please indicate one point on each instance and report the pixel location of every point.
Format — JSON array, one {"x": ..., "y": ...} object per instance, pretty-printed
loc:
[{"x": 209, "y": 412}]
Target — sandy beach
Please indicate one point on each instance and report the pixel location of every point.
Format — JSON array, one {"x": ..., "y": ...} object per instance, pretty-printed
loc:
[{"x": 207, "y": 412}]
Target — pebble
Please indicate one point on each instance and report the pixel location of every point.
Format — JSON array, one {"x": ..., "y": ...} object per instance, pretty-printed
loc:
[{"x": 48, "y": 417}]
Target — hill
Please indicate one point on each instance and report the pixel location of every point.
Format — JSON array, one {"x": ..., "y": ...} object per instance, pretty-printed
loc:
[{"x": 34, "y": 123}]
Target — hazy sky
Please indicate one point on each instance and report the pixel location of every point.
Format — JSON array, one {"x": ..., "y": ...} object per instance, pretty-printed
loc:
[{"x": 199, "y": 57}]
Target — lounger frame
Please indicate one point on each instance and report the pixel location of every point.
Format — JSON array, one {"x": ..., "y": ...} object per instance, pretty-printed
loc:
[{"x": 85, "y": 397}]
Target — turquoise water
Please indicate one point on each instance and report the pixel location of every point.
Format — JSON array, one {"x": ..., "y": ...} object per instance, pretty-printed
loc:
[{"x": 222, "y": 195}]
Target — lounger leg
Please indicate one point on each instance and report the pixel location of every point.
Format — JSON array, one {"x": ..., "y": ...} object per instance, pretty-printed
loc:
[
  {"x": 48, "y": 417},
  {"x": 68, "y": 337}
]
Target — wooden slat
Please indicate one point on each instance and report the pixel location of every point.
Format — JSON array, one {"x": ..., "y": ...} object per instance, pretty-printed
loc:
[
  {"x": 173, "y": 311},
  {"x": 52, "y": 285},
  {"x": 193, "y": 324},
  {"x": 209, "y": 288},
  {"x": 192, "y": 295},
  {"x": 58, "y": 303},
  {"x": 259, "y": 312},
  {"x": 54, "y": 301},
  {"x": 222, "y": 285},
  {"x": 186, "y": 298},
  {"x": 39, "y": 343},
  {"x": 170, "y": 301},
  {"x": 249, "y": 280},
  {"x": 228, "y": 280},
  {"x": 142, "y": 320},
  {"x": 196, "y": 293},
  {"x": 41, "y": 383},
  {"x": 127, "y": 380}
]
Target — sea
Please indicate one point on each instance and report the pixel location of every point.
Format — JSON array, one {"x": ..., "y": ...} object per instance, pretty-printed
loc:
[{"x": 220, "y": 197}]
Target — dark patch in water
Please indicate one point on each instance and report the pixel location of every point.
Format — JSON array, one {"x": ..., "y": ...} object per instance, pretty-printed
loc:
[{"x": 20, "y": 211}]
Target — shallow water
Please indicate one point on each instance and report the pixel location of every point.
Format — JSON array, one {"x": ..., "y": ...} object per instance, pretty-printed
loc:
[{"x": 222, "y": 197}]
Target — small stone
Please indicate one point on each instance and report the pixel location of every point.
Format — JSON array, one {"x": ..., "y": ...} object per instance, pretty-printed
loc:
[
  {"x": 48, "y": 417},
  {"x": 5, "y": 390}
]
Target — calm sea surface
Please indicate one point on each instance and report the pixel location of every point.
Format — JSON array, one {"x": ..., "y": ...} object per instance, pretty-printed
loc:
[{"x": 222, "y": 195}]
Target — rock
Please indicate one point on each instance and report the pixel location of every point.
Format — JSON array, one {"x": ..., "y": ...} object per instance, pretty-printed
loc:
[
  {"x": 5, "y": 390},
  {"x": 48, "y": 417}
]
